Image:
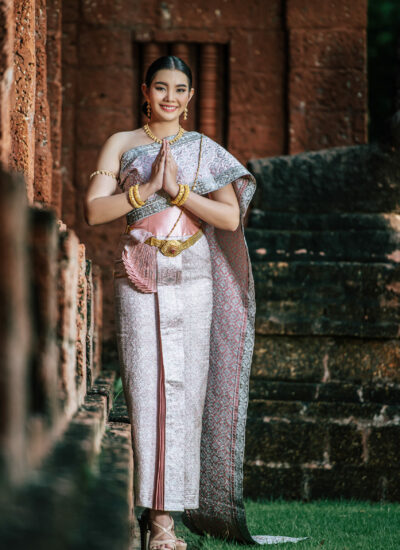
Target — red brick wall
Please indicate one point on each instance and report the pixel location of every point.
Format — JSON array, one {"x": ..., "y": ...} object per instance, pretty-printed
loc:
[{"x": 296, "y": 81}]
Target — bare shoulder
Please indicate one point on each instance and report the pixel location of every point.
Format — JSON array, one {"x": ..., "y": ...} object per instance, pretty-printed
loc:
[{"x": 122, "y": 141}]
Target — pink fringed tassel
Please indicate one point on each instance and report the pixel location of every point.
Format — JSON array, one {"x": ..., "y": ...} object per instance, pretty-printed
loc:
[{"x": 140, "y": 261}]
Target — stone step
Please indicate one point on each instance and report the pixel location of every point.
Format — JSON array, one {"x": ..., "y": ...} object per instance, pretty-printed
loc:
[
  {"x": 358, "y": 436},
  {"x": 326, "y": 358},
  {"x": 362, "y": 178},
  {"x": 327, "y": 298},
  {"x": 81, "y": 496},
  {"x": 327, "y": 246},
  {"x": 337, "y": 221},
  {"x": 311, "y": 482},
  {"x": 306, "y": 450},
  {"x": 339, "y": 392}
]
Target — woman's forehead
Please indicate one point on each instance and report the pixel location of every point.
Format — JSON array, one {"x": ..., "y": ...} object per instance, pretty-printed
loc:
[{"x": 171, "y": 76}]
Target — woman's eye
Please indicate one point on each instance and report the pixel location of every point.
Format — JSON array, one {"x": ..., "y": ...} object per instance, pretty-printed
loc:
[
  {"x": 159, "y": 88},
  {"x": 181, "y": 91}
]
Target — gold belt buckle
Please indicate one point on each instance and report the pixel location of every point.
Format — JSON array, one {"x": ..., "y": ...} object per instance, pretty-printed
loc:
[{"x": 171, "y": 248}]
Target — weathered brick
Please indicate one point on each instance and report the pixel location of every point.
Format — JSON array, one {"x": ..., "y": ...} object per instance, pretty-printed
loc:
[
  {"x": 345, "y": 482},
  {"x": 327, "y": 246},
  {"x": 329, "y": 181},
  {"x": 81, "y": 324},
  {"x": 320, "y": 359},
  {"x": 328, "y": 48},
  {"x": 90, "y": 324},
  {"x": 105, "y": 47},
  {"x": 345, "y": 445},
  {"x": 278, "y": 442},
  {"x": 261, "y": 481},
  {"x": 336, "y": 221},
  {"x": 339, "y": 298},
  {"x": 338, "y": 13},
  {"x": 383, "y": 448},
  {"x": 67, "y": 329}
]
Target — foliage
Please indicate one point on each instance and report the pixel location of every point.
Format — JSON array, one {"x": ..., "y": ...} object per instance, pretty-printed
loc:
[{"x": 383, "y": 63}]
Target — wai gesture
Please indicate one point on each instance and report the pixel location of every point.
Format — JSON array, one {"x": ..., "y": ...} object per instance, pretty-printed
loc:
[{"x": 164, "y": 171}]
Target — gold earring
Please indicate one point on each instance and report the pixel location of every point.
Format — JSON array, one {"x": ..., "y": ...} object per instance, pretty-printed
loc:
[
  {"x": 148, "y": 110},
  {"x": 185, "y": 113}
]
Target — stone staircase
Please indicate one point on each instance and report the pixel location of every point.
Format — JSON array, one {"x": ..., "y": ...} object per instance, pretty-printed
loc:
[{"x": 324, "y": 413}]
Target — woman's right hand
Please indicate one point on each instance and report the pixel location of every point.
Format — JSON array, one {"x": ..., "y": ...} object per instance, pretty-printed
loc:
[{"x": 157, "y": 169}]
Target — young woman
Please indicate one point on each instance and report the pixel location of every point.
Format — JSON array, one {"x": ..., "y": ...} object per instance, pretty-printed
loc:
[{"x": 184, "y": 303}]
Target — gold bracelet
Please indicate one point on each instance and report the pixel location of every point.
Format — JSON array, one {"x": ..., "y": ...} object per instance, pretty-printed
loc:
[
  {"x": 137, "y": 196},
  {"x": 185, "y": 196},
  {"x": 105, "y": 172},
  {"x": 132, "y": 199},
  {"x": 179, "y": 196}
]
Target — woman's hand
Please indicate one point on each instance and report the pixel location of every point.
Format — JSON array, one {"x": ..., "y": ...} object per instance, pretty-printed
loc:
[
  {"x": 170, "y": 173},
  {"x": 157, "y": 169}
]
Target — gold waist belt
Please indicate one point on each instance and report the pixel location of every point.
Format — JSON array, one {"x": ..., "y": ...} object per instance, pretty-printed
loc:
[{"x": 173, "y": 247}]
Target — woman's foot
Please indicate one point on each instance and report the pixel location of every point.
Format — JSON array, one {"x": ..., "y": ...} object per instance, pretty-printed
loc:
[{"x": 162, "y": 535}]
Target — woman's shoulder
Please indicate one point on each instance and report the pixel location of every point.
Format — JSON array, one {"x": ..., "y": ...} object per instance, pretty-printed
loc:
[{"x": 126, "y": 140}]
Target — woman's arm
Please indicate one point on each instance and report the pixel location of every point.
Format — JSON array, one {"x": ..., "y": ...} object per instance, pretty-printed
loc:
[
  {"x": 222, "y": 210},
  {"x": 101, "y": 205}
]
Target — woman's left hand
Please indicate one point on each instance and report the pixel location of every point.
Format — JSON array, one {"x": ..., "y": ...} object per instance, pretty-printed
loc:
[{"x": 170, "y": 173}]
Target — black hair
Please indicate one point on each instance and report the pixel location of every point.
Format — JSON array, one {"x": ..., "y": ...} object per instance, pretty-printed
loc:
[{"x": 166, "y": 62}]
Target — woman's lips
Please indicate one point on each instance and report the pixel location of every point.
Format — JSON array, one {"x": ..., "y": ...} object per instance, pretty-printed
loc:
[{"x": 168, "y": 108}]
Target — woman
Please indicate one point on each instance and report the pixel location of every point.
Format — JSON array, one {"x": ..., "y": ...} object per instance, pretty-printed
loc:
[{"x": 185, "y": 308}]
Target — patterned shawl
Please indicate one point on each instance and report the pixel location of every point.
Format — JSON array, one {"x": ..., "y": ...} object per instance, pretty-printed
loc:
[{"x": 221, "y": 512}]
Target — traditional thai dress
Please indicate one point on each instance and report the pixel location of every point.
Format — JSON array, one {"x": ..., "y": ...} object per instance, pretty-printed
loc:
[{"x": 185, "y": 350}]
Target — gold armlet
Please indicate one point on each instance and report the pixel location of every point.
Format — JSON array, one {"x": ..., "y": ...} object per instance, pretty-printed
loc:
[{"x": 105, "y": 172}]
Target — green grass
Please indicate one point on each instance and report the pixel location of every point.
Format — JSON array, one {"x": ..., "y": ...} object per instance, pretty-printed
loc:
[{"x": 331, "y": 525}]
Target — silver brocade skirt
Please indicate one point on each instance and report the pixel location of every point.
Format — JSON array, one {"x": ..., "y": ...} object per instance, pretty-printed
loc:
[{"x": 164, "y": 344}]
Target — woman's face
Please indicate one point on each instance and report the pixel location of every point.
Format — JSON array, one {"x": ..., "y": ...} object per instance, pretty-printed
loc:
[{"x": 168, "y": 94}]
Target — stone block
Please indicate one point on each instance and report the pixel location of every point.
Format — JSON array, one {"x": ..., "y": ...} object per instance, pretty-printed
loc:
[
  {"x": 345, "y": 482},
  {"x": 342, "y": 298},
  {"x": 317, "y": 222},
  {"x": 321, "y": 359},
  {"x": 280, "y": 443},
  {"x": 16, "y": 329},
  {"x": 272, "y": 483},
  {"x": 97, "y": 88},
  {"x": 328, "y": 48},
  {"x": 324, "y": 88},
  {"x": 328, "y": 181},
  {"x": 67, "y": 329},
  {"x": 43, "y": 377},
  {"x": 97, "y": 319},
  {"x": 345, "y": 445},
  {"x": 81, "y": 325},
  {"x": 383, "y": 447},
  {"x": 90, "y": 325},
  {"x": 327, "y": 246},
  {"x": 338, "y": 13},
  {"x": 105, "y": 47}
]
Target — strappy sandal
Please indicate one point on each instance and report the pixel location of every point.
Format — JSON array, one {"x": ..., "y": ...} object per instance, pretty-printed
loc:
[{"x": 151, "y": 543}]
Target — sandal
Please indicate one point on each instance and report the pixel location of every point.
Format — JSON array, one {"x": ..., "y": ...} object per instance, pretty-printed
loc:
[{"x": 151, "y": 543}]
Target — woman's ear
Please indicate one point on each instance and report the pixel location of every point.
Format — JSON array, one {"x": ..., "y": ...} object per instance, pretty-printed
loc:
[
  {"x": 144, "y": 91},
  {"x": 191, "y": 94}
]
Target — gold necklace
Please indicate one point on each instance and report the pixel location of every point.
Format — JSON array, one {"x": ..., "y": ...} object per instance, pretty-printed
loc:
[{"x": 158, "y": 140}]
